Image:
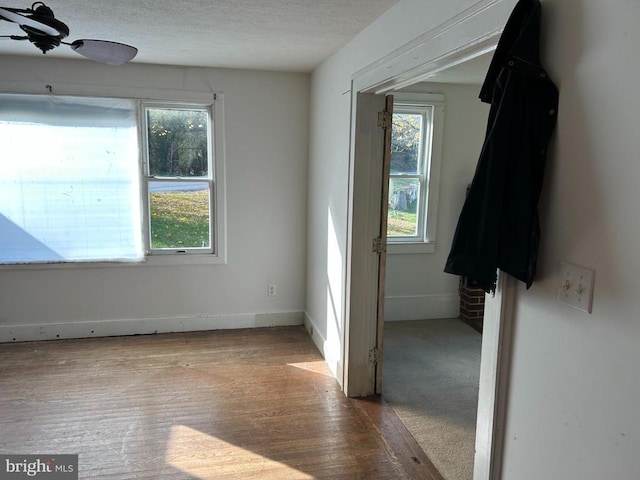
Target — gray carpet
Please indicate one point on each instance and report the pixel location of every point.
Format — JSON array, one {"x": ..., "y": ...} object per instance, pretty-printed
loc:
[{"x": 430, "y": 378}]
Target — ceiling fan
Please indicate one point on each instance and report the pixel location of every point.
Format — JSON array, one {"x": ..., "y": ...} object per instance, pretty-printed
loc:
[{"x": 46, "y": 33}]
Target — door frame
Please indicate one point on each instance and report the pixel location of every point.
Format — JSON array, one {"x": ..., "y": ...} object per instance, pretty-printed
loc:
[{"x": 469, "y": 34}]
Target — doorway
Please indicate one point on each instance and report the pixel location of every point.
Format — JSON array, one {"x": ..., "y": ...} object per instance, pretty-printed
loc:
[
  {"x": 391, "y": 73},
  {"x": 431, "y": 358}
]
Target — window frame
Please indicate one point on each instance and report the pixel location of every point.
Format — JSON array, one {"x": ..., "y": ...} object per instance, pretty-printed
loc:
[
  {"x": 218, "y": 221},
  {"x": 147, "y": 178},
  {"x": 431, "y": 160}
]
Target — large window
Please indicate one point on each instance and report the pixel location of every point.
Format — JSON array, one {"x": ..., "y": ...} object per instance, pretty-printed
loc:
[
  {"x": 414, "y": 169},
  {"x": 69, "y": 188},
  {"x": 96, "y": 179}
]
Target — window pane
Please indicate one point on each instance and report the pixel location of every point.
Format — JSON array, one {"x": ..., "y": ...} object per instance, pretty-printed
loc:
[
  {"x": 405, "y": 142},
  {"x": 69, "y": 189},
  {"x": 402, "y": 220},
  {"x": 177, "y": 142},
  {"x": 180, "y": 214}
]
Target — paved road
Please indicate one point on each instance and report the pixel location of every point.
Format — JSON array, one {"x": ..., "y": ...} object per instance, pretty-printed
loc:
[{"x": 177, "y": 186}]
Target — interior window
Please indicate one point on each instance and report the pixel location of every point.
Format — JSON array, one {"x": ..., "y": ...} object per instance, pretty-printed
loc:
[
  {"x": 407, "y": 183},
  {"x": 415, "y": 165}
]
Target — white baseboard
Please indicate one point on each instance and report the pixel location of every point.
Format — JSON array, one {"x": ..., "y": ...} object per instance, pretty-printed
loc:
[
  {"x": 421, "y": 307},
  {"x": 333, "y": 362},
  {"x": 145, "y": 326},
  {"x": 314, "y": 333}
]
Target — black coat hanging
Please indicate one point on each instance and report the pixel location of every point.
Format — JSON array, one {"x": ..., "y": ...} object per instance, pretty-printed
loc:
[{"x": 498, "y": 227}]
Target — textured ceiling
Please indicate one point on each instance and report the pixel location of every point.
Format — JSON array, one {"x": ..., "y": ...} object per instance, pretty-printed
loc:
[{"x": 287, "y": 35}]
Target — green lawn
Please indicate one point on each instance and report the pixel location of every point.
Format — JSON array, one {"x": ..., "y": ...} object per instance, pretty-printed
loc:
[
  {"x": 401, "y": 224},
  {"x": 180, "y": 219}
]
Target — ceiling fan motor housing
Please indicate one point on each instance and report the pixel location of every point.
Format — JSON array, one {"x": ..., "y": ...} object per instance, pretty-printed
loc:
[{"x": 44, "y": 41}]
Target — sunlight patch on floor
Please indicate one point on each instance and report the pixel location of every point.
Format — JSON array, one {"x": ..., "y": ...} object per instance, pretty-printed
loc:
[
  {"x": 319, "y": 367},
  {"x": 204, "y": 457}
]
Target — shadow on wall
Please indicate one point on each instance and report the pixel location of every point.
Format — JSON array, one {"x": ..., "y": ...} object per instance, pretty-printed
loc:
[{"x": 18, "y": 245}]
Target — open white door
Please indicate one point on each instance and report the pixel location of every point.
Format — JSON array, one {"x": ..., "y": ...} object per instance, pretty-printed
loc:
[
  {"x": 385, "y": 119},
  {"x": 365, "y": 302}
]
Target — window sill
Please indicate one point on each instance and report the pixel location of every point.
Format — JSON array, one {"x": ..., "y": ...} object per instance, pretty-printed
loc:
[
  {"x": 410, "y": 248},
  {"x": 148, "y": 261},
  {"x": 186, "y": 259}
]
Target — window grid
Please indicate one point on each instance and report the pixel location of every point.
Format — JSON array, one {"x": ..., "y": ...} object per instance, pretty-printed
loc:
[
  {"x": 194, "y": 228},
  {"x": 420, "y": 178}
]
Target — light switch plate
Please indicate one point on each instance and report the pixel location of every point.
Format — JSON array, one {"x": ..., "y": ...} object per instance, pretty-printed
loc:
[{"x": 576, "y": 286}]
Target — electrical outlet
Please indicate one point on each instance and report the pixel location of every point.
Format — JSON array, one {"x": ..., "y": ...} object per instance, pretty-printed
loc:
[
  {"x": 271, "y": 290},
  {"x": 576, "y": 286}
]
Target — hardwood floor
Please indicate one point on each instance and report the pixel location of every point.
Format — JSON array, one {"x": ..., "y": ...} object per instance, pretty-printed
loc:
[{"x": 230, "y": 404}]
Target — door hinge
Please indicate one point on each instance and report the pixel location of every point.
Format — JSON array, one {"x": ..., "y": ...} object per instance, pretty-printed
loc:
[
  {"x": 379, "y": 245},
  {"x": 384, "y": 119},
  {"x": 373, "y": 355}
]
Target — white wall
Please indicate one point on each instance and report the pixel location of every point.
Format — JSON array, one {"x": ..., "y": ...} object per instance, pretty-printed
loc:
[
  {"x": 329, "y": 161},
  {"x": 574, "y": 396},
  {"x": 416, "y": 286},
  {"x": 266, "y": 141}
]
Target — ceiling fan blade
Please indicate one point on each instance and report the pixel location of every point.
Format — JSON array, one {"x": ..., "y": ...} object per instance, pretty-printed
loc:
[
  {"x": 24, "y": 21},
  {"x": 104, "y": 51}
]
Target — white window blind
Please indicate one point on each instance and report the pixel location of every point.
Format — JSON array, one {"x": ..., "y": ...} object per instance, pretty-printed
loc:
[{"x": 69, "y": 179}]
